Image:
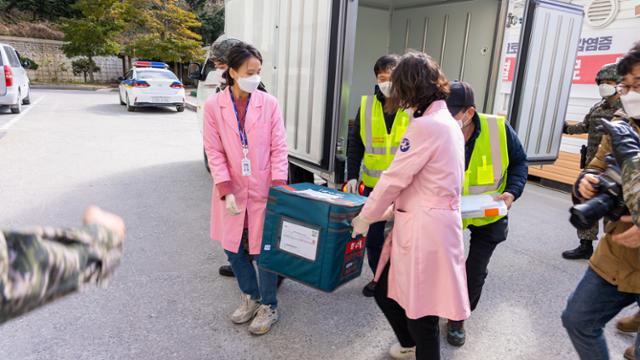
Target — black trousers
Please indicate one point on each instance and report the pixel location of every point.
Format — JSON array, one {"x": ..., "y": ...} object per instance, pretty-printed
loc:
[
  {"x": 484, "y": 240},
  {"x": 423, "y": 333},
  {"x": 375, "y": 239}
]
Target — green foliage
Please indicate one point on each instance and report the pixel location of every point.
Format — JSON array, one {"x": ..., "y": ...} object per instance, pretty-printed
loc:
[
  {"x": 84, "y": 66},
  {"x": 96, "y": 32},
  {"x": 165, "y": 32},
  {"x": 212, "y": 25},
  {"x": 42, "y": 9},
  {"x": 28, "y": 63}
]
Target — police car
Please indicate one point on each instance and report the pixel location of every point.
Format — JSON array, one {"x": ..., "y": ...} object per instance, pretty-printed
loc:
[{"x": 151, "y": 84}]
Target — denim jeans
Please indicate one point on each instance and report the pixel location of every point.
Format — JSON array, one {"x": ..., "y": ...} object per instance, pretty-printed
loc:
[
  {"x": 590, "y": 307},
  {"x": 262, "y": 289}
]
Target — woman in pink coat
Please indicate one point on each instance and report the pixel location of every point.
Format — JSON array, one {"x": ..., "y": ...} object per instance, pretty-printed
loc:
[
  {"x": 245, "y": 142},
  {"x": 421, "y": 275}
]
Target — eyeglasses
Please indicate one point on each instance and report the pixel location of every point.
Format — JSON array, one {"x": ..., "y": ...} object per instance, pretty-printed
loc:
[{"x": 624, "y": 89}]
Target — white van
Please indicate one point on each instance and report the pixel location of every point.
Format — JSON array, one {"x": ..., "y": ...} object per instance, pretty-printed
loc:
[
  {"x": 319, "y": 54},
  {"x": 14, "y": 82}
]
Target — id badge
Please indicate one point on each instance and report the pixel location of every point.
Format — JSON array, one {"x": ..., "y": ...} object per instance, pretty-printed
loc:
[{"x": 246, "y": 167}]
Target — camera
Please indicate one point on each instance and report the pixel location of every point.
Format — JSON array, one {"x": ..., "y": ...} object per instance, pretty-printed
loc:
[{"x": 608, "y": 202}]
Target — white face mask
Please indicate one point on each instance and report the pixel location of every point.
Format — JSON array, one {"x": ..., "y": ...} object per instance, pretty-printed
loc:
[
  {"x": 385, "y": 88},
  {"x": 606, "y": 90},
  {"x": 215, "y": 77},
  {"x": 631, "y": 104},
  {"x": 249, "y": 84}
]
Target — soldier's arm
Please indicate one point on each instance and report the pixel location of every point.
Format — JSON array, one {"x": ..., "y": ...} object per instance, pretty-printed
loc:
[
  {"x": 631, "y": 187},
  {"x": 578, "y": 128},
  {"x": 44, "y": 264}
]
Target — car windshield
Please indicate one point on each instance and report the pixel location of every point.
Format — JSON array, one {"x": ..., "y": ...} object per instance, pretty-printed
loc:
[{"x": 150, "y": 75}]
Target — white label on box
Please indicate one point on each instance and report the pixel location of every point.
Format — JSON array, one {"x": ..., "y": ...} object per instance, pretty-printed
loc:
[
  {"x": 299, "y": 240},
  {"x": 319, "y": 195}
]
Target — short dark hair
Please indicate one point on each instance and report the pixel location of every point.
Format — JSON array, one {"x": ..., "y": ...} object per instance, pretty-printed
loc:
[
  {"x": 417, "y": 82},
  {"x": 237, "y": 56},
  {"x": 385, "y": 63},
  {"x": 629, "y": 60}
]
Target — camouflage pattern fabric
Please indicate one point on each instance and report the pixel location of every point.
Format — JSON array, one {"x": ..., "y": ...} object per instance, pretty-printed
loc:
[
  {"x": 43, "y": 264},
  {"x": 631, "y": 187},
  {"x": 591, "y": 121}
]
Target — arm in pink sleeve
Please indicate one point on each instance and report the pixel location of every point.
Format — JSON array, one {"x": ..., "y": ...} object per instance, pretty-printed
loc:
[
  {"x": 279, "y": 148},
  {"x": 213, "y": 145}
]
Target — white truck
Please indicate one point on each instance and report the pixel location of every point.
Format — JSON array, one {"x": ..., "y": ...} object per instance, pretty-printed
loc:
[{"x": 319, "y": 54}]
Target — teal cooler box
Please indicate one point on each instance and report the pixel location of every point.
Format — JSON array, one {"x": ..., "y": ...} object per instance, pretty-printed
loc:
[{"x": 307, "y": 235}]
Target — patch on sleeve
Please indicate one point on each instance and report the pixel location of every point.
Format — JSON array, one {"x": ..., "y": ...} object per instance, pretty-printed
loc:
[{"x": 405, "y": 145}]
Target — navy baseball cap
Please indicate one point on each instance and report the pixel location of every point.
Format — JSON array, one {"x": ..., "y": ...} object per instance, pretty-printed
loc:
[{"x": 460, "y": 97}]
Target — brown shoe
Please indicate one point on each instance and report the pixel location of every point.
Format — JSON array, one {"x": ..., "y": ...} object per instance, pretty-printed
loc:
[
  {"x": 630, "y": 353},
  {"x": 629, "y": 324}
]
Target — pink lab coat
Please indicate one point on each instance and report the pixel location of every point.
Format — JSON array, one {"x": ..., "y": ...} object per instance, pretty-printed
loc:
[
  {"x": 268, "y": 155},
  {"x": 427, "y": 273}
]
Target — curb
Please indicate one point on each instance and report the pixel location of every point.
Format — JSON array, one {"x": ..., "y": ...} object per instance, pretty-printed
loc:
[
  {"x": 69, "y": 87},
  {"x": 191, "y": 106}
]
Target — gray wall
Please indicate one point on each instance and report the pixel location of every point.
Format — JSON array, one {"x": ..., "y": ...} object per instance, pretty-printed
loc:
[{"x": 54, "y": 66}]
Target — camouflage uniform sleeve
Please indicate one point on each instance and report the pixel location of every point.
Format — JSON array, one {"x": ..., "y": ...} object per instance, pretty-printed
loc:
[
  {"x": 44, "y": 264},
  {"x": 578, "y": 128},
  {"x": 631, "y": 187}
]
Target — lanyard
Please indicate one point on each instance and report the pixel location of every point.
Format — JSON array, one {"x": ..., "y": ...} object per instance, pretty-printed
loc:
[{"x": 244, "y": 141}]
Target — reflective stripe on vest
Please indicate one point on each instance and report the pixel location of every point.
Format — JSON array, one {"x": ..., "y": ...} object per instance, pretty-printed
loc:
[
  {"x": 380, "y": 147},
  {"x": 487, "y": 171}
]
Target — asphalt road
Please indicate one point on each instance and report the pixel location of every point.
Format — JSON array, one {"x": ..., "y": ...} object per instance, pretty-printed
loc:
[{"x": 70, "y": 149}]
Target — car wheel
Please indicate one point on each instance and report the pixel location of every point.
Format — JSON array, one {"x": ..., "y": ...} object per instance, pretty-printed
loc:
[
  {"x": 120, "y": 98},
  {"x": 27, "y": 100},
  {"x": 180, "y": 108},
  {"x": 17, "y": 108},
  {"x": 206, "y": 161},
  {"x": 130, "y": 108}
]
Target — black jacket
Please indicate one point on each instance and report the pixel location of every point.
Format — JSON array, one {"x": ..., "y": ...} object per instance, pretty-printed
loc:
[{"x": 355, "y": 146}]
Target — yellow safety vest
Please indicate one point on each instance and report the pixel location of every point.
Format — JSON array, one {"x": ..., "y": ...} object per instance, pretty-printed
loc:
[
  {"x": 379, "y": 147},
  {"x": 487, "y": 171}
]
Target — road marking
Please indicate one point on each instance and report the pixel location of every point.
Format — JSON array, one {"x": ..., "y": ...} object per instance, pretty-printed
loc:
[{"x": 6, "y": 126}]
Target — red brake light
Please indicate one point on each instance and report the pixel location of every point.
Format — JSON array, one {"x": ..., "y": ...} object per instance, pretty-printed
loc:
[
  {"x": 177, "y": 85},
  {"x": 141, "y": 84},
  {"x": 8, "y": 76},
  {"x": 361, "y": 189}
]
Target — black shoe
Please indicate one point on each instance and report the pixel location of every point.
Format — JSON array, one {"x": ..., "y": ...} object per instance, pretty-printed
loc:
[
  {"x": 584, "y": 251},
  {"x": 456, "y": 335},
  {"x": 370, "y": 289},
  {"x": 226, "y": 270},
  {"x": 280, "y": 280}
]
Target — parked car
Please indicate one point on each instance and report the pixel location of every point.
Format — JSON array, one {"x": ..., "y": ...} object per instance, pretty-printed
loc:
[
  {"x": 151, "y": 84},
  {"x": 15, "y": 90}
]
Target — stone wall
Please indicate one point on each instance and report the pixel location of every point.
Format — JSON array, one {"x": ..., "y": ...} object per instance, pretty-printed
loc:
[{"x": 54, "y": 66}]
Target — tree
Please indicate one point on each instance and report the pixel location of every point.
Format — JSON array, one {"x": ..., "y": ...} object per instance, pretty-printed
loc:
[
  {"x": 212, "y": 24},
  {"x": 42, "y": 9},
  {"x": 169, "y": 34},
  {"x": 84, "y": 66},
  {"x": 96, "y": 32}
]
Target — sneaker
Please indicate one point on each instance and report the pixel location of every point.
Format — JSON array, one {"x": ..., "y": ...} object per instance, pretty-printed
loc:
[
  {"x": 226, "y": 270},
  {"x": 370, "y": 289},
  {"x": 246, "y": 311},
  {"x": 630, "y": 353},
  {"x": 582, "y": 252},
  {"x": 265, "y": 318},
  {"x": 629, "y": 324},
  {"x": 455, "y": 333},
  {"x": 399, "y": 352}
]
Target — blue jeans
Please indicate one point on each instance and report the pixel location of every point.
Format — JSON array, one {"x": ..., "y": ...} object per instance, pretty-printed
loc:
[
  {"x": 590, "y": 307},
  {"x": 242, "y": 265}
]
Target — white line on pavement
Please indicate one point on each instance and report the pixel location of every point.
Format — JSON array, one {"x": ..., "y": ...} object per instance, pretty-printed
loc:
[{"x": 21, "y": 115}]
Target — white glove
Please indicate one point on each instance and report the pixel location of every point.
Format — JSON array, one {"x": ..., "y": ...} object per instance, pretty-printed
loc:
[
  {"x": 388, "y": 215},
  {"x": 360, "y": 226},
  {"x": 230, "y": 203},
  {"x": 352, "y": 186}
]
